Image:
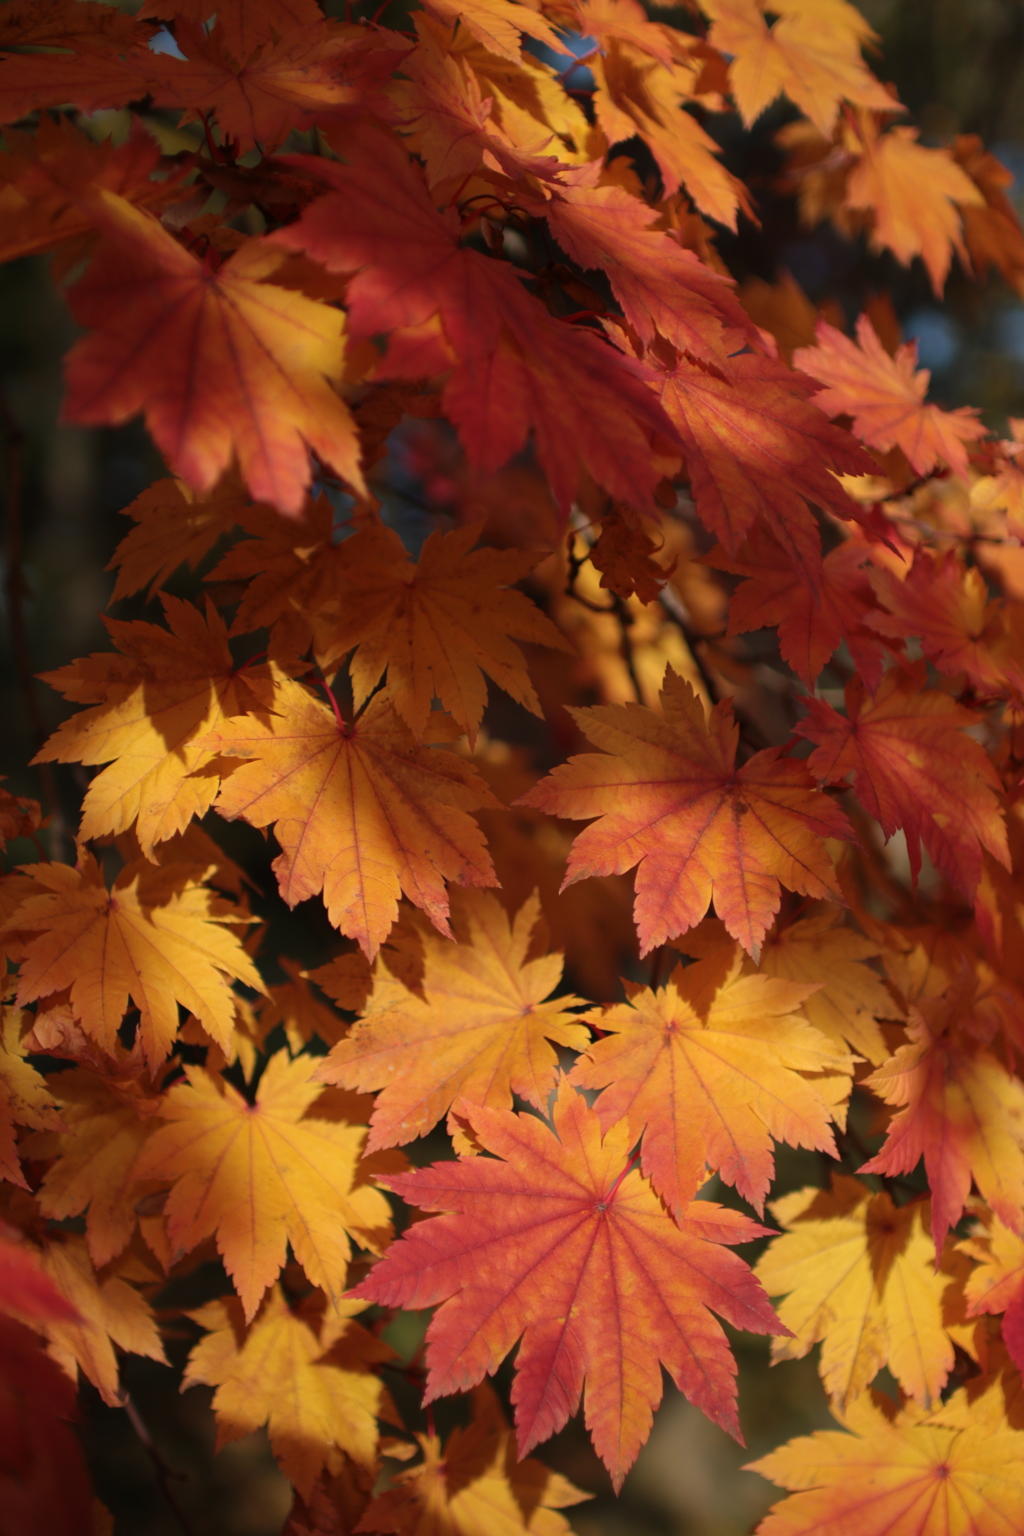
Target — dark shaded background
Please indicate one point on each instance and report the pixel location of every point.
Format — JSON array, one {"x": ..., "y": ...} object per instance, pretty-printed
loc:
[{"x": 959, "y": 66}]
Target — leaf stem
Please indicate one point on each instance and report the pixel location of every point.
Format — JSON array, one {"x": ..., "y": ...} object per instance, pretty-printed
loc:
[
  {"x": 17, "y": 591},
  {"x": 164, "y": 1474}
]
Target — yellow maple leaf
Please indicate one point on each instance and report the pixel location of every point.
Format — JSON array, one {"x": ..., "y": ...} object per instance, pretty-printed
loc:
[
  {"x": 313, "y": 1387},
  {"x": 911, "y": 1475},
  {"x": 153, "y": 703},
  {"x": 709, "y": 1069},
  {"x": 362, "y": 812},
  {"x": 159, "y": 937},
  {"x": 859, "y": 1277},
  {"x": 479, "y": 1029},
  {"x": 264, "y": 1174},
  {"x": 476, "y": 1486},
  {"x": 25, "y": 1096}
]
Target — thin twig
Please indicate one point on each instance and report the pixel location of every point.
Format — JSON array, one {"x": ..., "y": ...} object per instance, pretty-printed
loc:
[
  {"x": 165, "y": 1475},
  {"x": 17, "y": 591}
]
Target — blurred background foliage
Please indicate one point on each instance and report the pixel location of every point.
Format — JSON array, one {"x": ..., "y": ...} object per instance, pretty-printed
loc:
[{"x": 958, "y": 65}]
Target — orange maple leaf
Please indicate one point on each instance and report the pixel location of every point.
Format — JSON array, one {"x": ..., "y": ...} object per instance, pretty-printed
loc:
[
  {"x": 479, "y": 1028},
  {"x": 997, "y": 1282},
  {"x": 914, "y": 193},
  {"x": 558, "y": 1241},
  {"x": 803, "y": 56},
  {"x": 907, "y": 1475},
  {"x": 44, "y": 176},
  {"x": 913, "y": 767},
  {"x": 152, "y": 706},
  {"x": 885, "y": 397},
  {"x": 708, "y": 1069},
  {"x": 158, "y": 937},
  {"x": 475, "y": 1483},
  {"x": 497, "y": 24},
  {"x": 67, "y": 24},
  {"x": 102, "y": 1310},
  {"x": 435, "y": 626},
  {"x": 263, "y": 1174},
  {"x": 948, "y": 608},
  {"x": 963, "y": 1114},
  {"x": 219, "y": 361},
  {"x": 173, "y": 527},
  {"x": 643, "y": 74},
  {"x": 446, "y": 309},
  {"x": 811, "y": 626},
  {"x": 106, "y": 1124},
  {"x": 362, "y": 812},
  {"x": 669, "y": 798},
  {"x": 308, "y": 1378}
]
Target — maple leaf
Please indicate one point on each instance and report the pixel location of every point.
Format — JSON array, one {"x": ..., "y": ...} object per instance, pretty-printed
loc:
[
  {"x": 497, "y": 24},
  {"x": 219, "y": 361},
  {"x": 885, "y": 396},
  {"x": 663, "y": 289},
  {"x": 313, "y": 1387},
  {"x": 996, "y": 1284},
  {"x": 708, "y": 1069},
  {"x": 311, "y": 71},
  {"x": 158, "y": 937},
  {"x": 913, "y": 767},
  {"x": 963, "y": 1114},
  {"x": 757, "y": 450},
  {"x": 511, "y": 367},
  {"x": 362, "y": 812},
  {"x": 479, "y": 1030},
  {"x": 811, "y": 625},
  {"x": 25, "y": 1096},
  {"x": 103, "y": 70},
  {"x": 451, "y": 122},
  {"x": 44, "y": 176},
  {"x": 25, "y": 1290},
  {"x": 557, "y": 1240},
  {"x": 153, "y": 705},
  {"x": 643, "y": 73},
  {"x": 849, "y": 997},
  {"x": 20, "y": 816},
  {"x": 669, "y": 798},
  {"x": 66, "y": 24},
  {"x": 477, "y": 1486},
  {"x": 105, "y": 1125},
  {"x": 859, "y": 1277},
  {"x": 173, "y": 527},
  {"x": 435, "y": 626},
  {"x": 105, "y": 1310},
  {"x": 948, "y": 609},
  {"x": 915, "y": 195},
  {"x": 262, "y": 1175},
  {"x": 902, "y": 1476},
  {"x": 816, "y": 65},
  {"x": 624, "y": 554},
  {"x": 242, "y": 26},
  {"x": 293, "y": 1005}
]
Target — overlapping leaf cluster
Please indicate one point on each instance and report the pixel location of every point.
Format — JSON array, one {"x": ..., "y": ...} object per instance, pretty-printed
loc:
[{"x": 329, "y": 262}]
